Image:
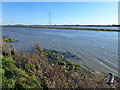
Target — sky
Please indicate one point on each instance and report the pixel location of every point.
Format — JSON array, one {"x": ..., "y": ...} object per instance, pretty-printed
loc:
[{"x": 62, "y": 13}]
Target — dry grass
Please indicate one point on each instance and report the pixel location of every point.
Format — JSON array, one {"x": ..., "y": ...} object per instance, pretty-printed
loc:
[{"x": 38, "y": 64}]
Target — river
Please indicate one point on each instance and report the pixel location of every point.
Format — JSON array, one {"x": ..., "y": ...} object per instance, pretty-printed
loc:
[{"x": 94, "y": 49}]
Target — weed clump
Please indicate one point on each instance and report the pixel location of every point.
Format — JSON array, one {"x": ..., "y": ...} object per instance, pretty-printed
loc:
[
  {"x": 9, "y": 40},
  {"x": 36, "y": 70}
]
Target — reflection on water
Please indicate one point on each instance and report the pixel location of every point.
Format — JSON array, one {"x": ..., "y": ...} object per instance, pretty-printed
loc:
[{"x": 95, "y": 49}]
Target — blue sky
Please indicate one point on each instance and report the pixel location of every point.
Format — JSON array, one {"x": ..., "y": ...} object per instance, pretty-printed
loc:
[{"x": 61, "y": 13}]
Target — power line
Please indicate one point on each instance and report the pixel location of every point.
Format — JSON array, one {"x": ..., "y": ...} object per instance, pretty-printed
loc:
[
  {"x": 10, "y": 22},
  {"x": 49, "y": 18}
]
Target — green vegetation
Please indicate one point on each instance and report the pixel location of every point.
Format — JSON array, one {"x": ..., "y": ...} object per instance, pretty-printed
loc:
[
  {"x": 35, "y": 70},
  {"x": 9, "y": 40},
  {"x": 114, "y": 30},
  {"x": 14, "y": 77}
]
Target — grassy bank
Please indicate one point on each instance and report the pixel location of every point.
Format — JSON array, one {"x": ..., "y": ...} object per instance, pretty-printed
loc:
[
  {"x": 8, "y": 40},
  {"x": 46, "y": 69},
  {"x": 113, "y": 30}
]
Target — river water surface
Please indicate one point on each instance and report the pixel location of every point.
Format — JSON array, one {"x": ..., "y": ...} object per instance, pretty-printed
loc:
[{"x": 94, "y": 49}]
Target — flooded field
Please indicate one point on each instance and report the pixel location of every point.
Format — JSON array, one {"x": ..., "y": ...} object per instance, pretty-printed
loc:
[{"x": 95, "y": 49}]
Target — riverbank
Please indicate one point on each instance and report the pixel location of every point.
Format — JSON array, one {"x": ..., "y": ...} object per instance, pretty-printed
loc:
[
  {"x": 50, "y": 27},
  {"x": 47, "y": 69}
]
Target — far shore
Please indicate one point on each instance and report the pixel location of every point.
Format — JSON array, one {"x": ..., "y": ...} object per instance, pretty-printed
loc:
[{"x": 67, "y": 28}]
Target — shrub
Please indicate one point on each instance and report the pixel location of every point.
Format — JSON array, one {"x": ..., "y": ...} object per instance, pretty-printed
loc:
[{"x": 61, "y": 63}]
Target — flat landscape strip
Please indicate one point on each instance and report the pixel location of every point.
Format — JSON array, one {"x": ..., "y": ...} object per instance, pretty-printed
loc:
[{"x": 114, "y": 30}]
